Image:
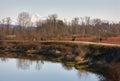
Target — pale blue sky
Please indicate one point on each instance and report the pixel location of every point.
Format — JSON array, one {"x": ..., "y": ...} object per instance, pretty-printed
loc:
[{"x": 104, "y": 9}]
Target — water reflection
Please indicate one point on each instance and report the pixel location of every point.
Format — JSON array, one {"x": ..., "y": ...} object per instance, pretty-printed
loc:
[
  {"x": 66, "y": 66},
  {"x": 103, "y": 78},
  {"x": 39, "y": 64},
  {"x": 25, "y": 64},
  {"x": 4, "y": 59},
  {"x": 31, "y": 70},
  {"x": 82, "y": 73}
]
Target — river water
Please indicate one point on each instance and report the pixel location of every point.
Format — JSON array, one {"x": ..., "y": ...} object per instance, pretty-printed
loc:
[{"x": 28, "y": 70}]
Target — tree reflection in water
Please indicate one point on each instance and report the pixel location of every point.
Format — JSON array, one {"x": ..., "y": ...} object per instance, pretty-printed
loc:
[
  {"x": 66, "y": 66},
  {"x": 39, "y": 64},
  {"x": 25, "y": 64},
  {"x": 82, "y": 73},
  {"x": 85, "y": 74},
  {"x": 4, "y": 59},
  {"x": 103, "y": 78},
  {"x": 112, "y": 72}
]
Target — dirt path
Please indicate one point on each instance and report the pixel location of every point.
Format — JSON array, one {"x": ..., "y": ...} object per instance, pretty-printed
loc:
[
  {"x": 95, "y": 43},
  {"x": 75, "y": 42},
  {"x": 82, "y": 42}
]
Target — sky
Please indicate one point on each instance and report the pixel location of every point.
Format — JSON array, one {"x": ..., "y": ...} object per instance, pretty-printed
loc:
[{"x": 68, "y": 9}]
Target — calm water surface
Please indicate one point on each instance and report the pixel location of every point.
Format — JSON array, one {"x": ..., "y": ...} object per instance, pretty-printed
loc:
[{"x": 27, "y": 70}]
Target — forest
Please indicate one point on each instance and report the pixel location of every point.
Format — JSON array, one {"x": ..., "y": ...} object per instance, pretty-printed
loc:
[{"x": 52, "y": 27}]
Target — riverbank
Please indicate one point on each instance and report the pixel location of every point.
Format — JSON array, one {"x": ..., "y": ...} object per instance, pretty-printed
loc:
[
  {"x": 95, "y": 57},
  {"x": 65, "y": 50}
]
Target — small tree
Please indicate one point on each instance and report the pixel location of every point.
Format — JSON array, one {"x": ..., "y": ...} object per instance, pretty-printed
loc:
[
  {"x": 8, "y": 22},
  {"x": 24, "y": 19}
]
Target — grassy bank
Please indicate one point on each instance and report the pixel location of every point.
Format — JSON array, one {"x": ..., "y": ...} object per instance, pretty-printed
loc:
[
  {"x": 63, "y": 51},
  {"x": 92, "y": 57}
]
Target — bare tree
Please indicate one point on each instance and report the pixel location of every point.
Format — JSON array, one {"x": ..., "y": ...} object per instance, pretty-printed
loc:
[
  {"x": 87, "y": 20},
  {"x": 53, "y": 22},
  {"x": 53, "y": 27},
  {"x": 97, "y": 22},
  {"x": 75, "y": 25},
  {"x": 8, "y": 22},
  {"x": 2, "y": 25},
  {"x": 24, "y": 19}
]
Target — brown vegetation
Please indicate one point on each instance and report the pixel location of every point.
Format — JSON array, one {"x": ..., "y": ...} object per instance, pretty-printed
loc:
[
  {"x": 84, "y": 28},
  {"x": 81, "y": 56},
  {"x": 113, "y": 73},
  {"x": 64, "y": 51}
]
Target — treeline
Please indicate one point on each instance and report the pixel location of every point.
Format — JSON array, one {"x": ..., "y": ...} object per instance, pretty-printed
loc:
[{"x": 52, "y": 27}]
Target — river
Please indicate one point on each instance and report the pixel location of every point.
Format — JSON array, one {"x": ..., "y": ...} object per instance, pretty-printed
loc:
[{"x": 29, "y": 70}]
